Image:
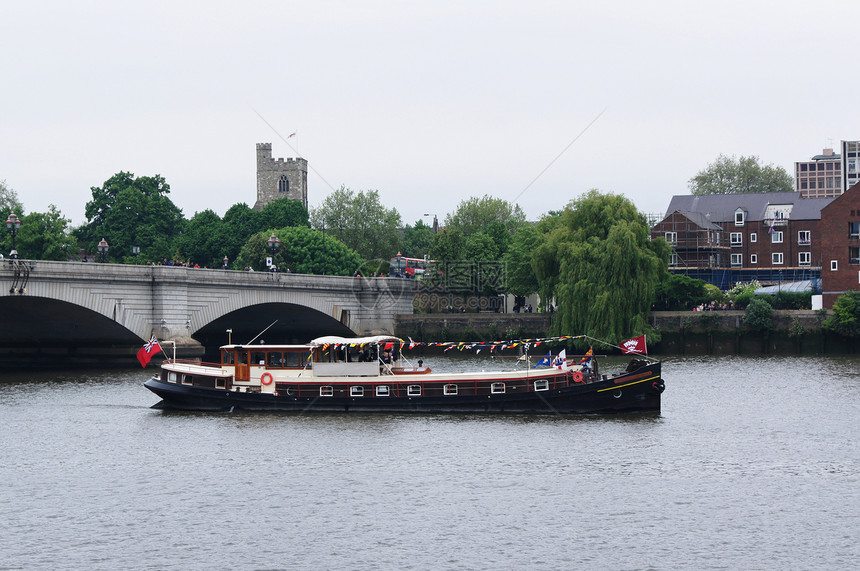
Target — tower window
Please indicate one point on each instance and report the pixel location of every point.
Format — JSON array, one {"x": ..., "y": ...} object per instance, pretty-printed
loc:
[{"x": 283, "y": 184}]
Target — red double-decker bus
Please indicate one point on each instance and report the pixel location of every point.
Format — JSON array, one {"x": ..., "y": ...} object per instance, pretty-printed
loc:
[{"x": 402, "y": 267}]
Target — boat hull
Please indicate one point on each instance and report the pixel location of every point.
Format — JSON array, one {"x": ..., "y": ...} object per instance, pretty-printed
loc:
[{"x": 637, "y": 391}]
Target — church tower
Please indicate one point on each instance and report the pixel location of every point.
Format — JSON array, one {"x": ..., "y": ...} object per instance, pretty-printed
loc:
[{"x": 279, "y": 178}]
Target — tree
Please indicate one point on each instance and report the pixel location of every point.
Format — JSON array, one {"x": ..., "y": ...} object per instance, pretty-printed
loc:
[
  {"x": 282, "y": 213},
  {"x": 203, "y": 241},
  {"x": 744, "y": 175},
  {"x": 601, "y": 267},
  {"x": 301, "y": 251},
  {"x": 128, "y": 211},
  {"x": 519, "y": 261},
  {"x": 417, "y": 240},
  {"x": 476, "y": 214},
  {"x": 758, "y": 316},
  {"x": 9, "y": 202},
  {"x": 240, "y": 222},
  {"x": 846, "y": 315},
  {"x": 360, "y": 221},
  {"x": 46, "y": 236},
  {"x": 679, "y": 293}
]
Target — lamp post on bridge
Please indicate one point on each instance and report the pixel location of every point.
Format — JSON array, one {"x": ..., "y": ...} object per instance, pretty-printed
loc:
[
  {"x": 103, "y": 249},
  {"x": 13, "y": 223},
  {"x": 135, "y": 250},
  {"x": 273, "y": 243}
]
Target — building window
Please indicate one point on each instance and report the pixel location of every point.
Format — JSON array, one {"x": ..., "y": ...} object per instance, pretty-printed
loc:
[
  {"x": 776, "y": 237},
  {"x": 672, "y": 237},
  {"x": 804, "y": 259},
  {"x": 753, "y": 258},
  {"x": 736, "y": 238},
  {"x": 776, "y": 258},
  {"x": 283, "y": 184},
  {"x": 833, "y": 266},
  {"x": 854, "y": 229},
  {"x": 736, "y": 260},
  {"x": 804, "y": 237},
  {"x": 753, "y": 237},
  {"x": 673, "y": 261},
  {"x": 739, "y": 217},
  {"x": 854, "y": 255}
]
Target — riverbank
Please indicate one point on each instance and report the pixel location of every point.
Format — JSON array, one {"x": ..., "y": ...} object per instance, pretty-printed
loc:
[{"x": 681, "y": 332}]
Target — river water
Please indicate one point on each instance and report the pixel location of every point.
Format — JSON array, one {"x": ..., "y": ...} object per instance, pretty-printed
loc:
[{"x": 753, "y": 464}]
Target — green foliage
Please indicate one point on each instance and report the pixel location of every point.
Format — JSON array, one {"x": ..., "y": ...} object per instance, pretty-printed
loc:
[
  {"x": 758, "y": 316},
  {"x": 302, "y": 251},
  {"x": 792, "y": 300},
  {"x": 204, "y": 241},
  {"x": 679, "y": 293},
  {"x": 602, "y": 268},
  {"x": 519, "y": 261},
  {"x": 417, "y": 240},
  {"x": 46, "y": 236},
  {"x": 846, "y": 315},
  {"x": 282, "y": 213},
  {"x": 9, "y": 202},
  {"x": 360, "y": 221},
  {"x": 128, "y": 211},
  {"x": 475, "y": 215},
  {"x": 735, "y": 176},
  {"x": 796, "y": 329}
]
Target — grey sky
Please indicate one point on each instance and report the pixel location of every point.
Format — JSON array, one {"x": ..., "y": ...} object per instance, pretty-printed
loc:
[{"x": 427, "y": 102}]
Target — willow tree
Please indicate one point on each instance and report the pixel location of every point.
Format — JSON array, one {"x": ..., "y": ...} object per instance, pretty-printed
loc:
[{"x": 600, "y": 265}]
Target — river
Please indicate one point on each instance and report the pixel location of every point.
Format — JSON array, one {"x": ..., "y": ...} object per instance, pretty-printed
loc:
[{"x": 752, "y": 464}]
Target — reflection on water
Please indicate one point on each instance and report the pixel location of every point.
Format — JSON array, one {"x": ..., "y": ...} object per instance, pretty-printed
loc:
[{"x": 749, "y": 465}]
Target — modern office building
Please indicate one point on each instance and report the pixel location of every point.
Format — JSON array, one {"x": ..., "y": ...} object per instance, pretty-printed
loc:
[{"x": 819, "y": 177}]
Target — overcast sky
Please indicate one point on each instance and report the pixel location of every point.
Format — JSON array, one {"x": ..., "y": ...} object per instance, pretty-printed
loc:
[{"x": 427, "y": 102}]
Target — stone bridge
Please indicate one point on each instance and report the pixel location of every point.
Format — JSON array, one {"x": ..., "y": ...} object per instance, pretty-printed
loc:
[{"x": 92, "y": 312}]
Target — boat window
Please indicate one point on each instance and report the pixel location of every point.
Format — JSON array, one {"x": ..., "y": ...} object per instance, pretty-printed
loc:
[
  {"x": 497, "y": 388},
  {"x": 220, "y": 383},
  {"x": 413, "y": 390},
  {"x": 304, "y": 358},
  {"x": 187, "y": 379},
  {"x": 356, "y": 391},
  {"x": 171, "y": 377},
  {"x": 258, "y": 358},
  {"x": 542, "y": 385},
  {"x": 227, "y": 357},
  {"x": 243, "y": 358},
  {"x": 275, "y": 359},
  {"x": 291, "y": 359},
  {"x": 449, "y": 389},
  {"x": 382, "y": 391},
  {"x": 326, "y": 391}
]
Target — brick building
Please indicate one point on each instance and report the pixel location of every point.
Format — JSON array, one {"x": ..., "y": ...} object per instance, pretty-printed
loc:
[
  {"x": 840, "y": 246},
  {"x": 727, "y": 238}
]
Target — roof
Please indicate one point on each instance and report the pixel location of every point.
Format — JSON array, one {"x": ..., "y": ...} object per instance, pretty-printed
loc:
[
  {"x": 721, "y": 207},
  {"x": 699, "y": 219},
  {"x": 335, "y": 340},
  {"x": 793, "y": 287}
]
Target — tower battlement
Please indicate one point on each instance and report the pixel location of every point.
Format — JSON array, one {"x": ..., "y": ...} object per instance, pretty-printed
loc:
[{"x": 280, "y": 178}]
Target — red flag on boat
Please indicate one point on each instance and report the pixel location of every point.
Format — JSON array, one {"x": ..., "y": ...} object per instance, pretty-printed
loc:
[
  {"x": 635, "y": 345},
  {"x": 149, "y": 349}
]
